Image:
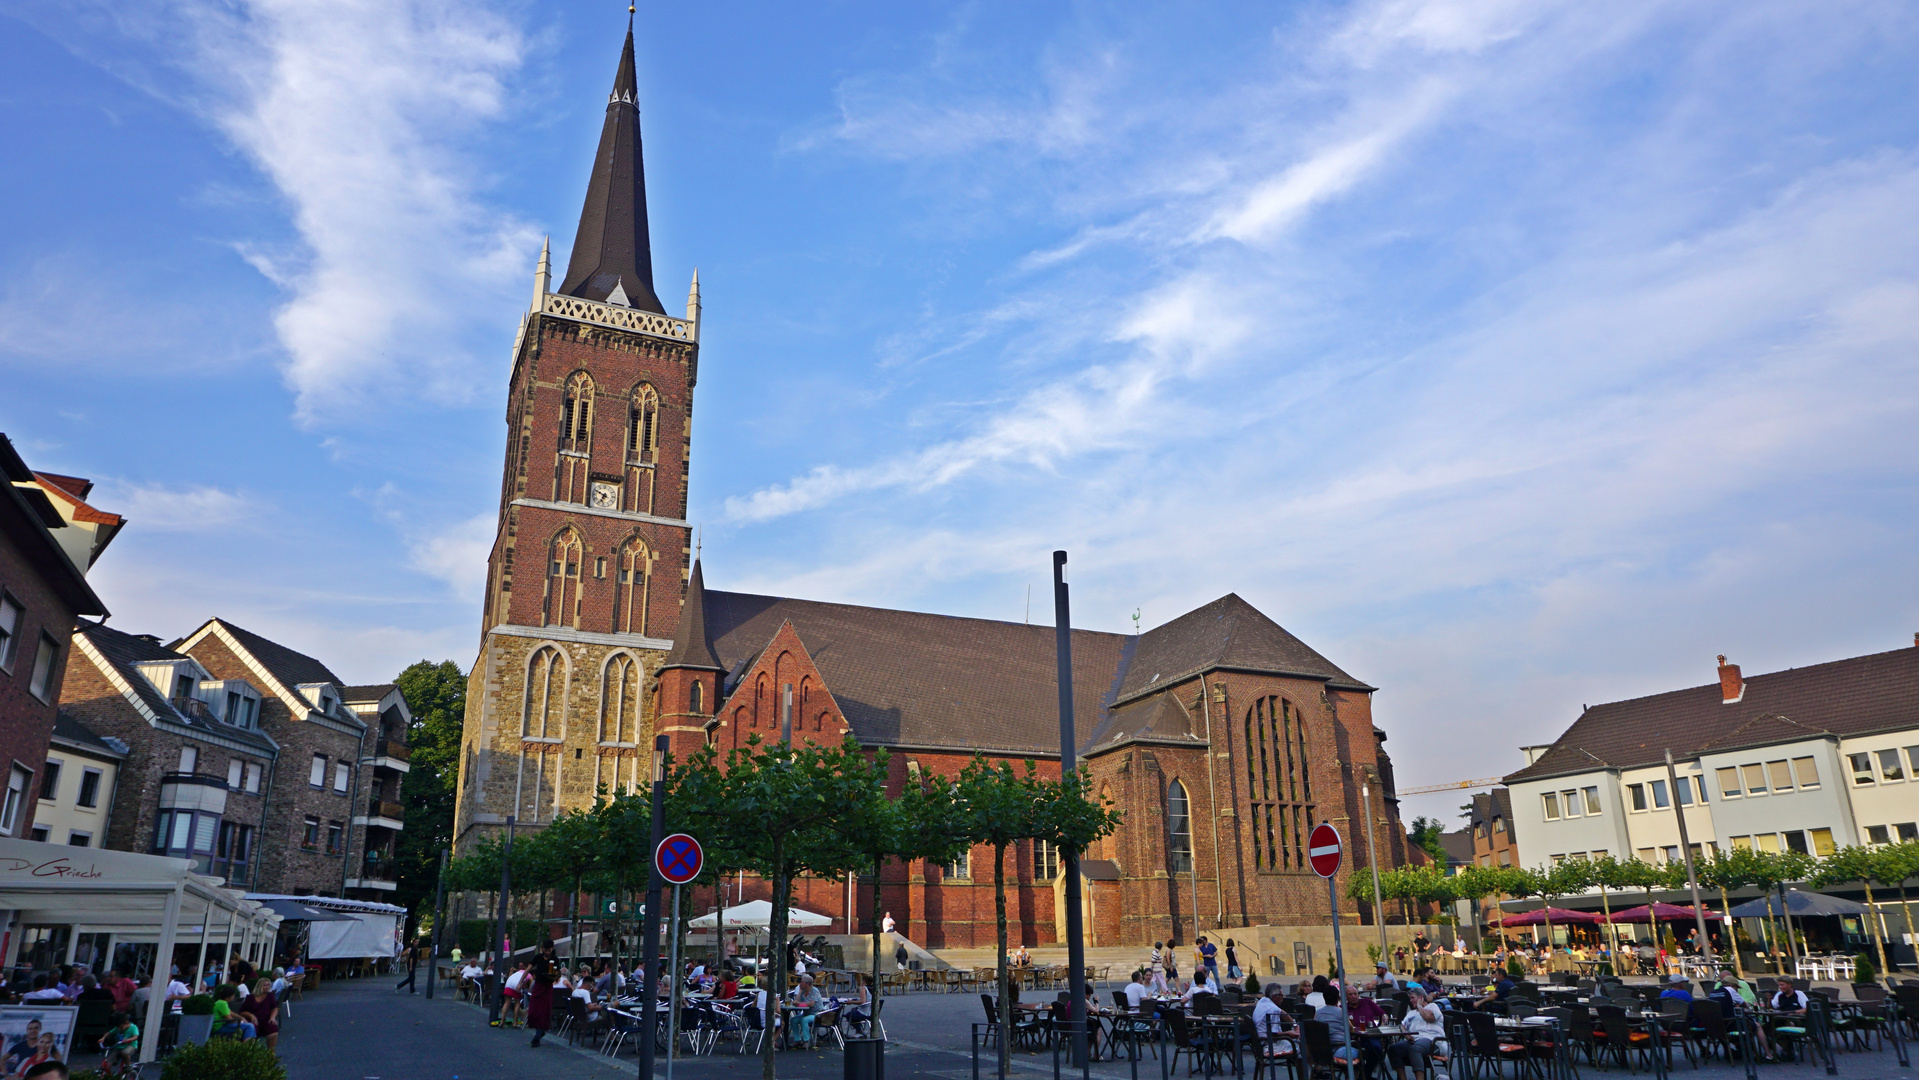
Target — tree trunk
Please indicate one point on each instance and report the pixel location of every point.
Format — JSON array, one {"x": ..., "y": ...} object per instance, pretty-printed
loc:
[
  {"x": 1905, "y": 908},
  {"x": 1878, "y": 941},
  {"x": 1732, "y": 933},
  {"x": 1005, "y": 980},
  {"x": 777, "y": 933},
  {"x": 573, "y": 931},
  {"x": 1658, "y": 946},
  {"x": 1605, "y": 905}
]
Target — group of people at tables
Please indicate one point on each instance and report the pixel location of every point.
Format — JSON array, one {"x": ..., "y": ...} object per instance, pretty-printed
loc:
[{"x": 535, "y": 985}]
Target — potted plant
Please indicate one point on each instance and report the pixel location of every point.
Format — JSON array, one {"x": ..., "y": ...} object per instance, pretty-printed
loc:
[
  {"x": 1862, "y": 970},
  {"x": 224, "y": 1059},
  {"x": 196, "y": 1019}
]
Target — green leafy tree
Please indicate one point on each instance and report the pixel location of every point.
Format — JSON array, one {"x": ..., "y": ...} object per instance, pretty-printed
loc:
[
  {"x": 1769, "y": 870},
  {"x": 1475, "y": 884},
  {"x": 922, "y": 823},
  {"x": 1726, "y": 871},
  {"x": 777, "y": 810},
  {"x": 1905, "y": 864},
  {"x": 1864, "y": 865},
  {"x": 570, "y": 850},
  {"x": 1425, "y": 836},
  {"x": 436, "y": 696}
]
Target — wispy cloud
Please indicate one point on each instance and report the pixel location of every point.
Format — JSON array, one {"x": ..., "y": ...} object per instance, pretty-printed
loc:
[
  {"x": 457, "y": 554},
  {"x": 162, "y": 508}
]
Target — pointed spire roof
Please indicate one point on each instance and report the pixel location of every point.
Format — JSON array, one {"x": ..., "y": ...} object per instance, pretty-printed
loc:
[
  {"x": 613, "y": 250},
  {"x": 691, "y": 647}
]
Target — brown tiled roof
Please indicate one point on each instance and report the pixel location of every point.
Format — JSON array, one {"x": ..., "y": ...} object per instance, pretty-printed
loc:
[
  {"x": 1844, "y": 697},
  {"x": 1458, "y": 846},
  {"x": 1227, "y": 633},
  {"x": 1160, "y": 716},
  {"x": 124, "y": 650},
  {"x": 905, "y": 678},
  {"x": 362, "y": 694},
  {"x": 291, "y": 668}
]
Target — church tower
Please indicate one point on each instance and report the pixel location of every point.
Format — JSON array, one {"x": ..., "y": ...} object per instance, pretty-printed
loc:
[{"x": 590, "y": 561}]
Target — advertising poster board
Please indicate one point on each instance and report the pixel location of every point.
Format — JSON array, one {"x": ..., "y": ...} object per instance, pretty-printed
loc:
[{"x": 31, "y": 1031}]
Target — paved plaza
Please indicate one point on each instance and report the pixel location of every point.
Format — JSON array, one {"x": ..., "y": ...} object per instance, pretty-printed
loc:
[{"x": 363, "y": 1030}]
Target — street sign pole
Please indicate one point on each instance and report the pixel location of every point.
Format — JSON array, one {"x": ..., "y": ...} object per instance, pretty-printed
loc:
[
  {"x": 677, "y": 860},
  {"x": 673, "y": 995},
  {"x": 1323, "y": 851},
  {"x": 650, "y": 929}
]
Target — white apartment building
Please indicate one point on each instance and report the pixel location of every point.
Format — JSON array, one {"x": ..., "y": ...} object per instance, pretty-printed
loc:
[{"x": 1809, "y": 759}]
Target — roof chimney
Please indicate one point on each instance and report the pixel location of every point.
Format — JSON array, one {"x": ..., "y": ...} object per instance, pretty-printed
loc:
[{"x": 1731, "y": 686}]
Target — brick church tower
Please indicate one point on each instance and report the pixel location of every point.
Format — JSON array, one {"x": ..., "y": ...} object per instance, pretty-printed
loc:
[{"x": 588, "y": 568}]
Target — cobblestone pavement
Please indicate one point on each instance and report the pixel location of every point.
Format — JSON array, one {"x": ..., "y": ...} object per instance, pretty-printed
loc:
[{"x": 364, "y": 1030}]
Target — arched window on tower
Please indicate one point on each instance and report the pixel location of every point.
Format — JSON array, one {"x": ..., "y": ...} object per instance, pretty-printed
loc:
[
  {"x": 695, "y": 698},
  {"x": 1179, "y": 829},
  {"x": 643, "y": 425},
  {"x": 635, "y": 563},
  {"x": 563, "y": 581},
  {"x": 576, "y": 417},
  {"x": 620, "y": 702},
  {"x": 544, "y": 713}
]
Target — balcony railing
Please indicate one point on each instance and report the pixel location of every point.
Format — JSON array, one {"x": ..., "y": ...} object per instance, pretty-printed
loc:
[
  {"x": 383, "y": 808},
  {"x": 388, "y": 748},
  {"x": 378, "y": 867}
]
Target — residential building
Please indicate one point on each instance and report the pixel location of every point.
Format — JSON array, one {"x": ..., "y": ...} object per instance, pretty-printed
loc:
[
  {"x": 79, "y": 786},
  {"x": 384, "y": 710},
  {"x": 1223, "y": 737},
  {"x": 1808, "y": 759},
  {"x": 43, "y": 592}
]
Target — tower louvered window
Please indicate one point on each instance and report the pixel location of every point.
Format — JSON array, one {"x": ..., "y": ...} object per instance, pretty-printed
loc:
[
  {"x": 642, "y": 428},
  {"x": 620, "y": 702},
  {"x": 563, "y": 581},
  {"x": 576, "y": 417},
  {"x": 1278, "y": 784}
]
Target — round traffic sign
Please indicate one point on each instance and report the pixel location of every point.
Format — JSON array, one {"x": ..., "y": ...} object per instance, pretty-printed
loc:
[
  {"x": 1323, "y": 848},
  {"x": 678, "y": 859}
]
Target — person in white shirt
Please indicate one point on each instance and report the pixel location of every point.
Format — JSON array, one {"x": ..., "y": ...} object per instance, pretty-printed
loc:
[
  {"x": 1427, "y": 1023},
  {"x": 1269, "y": 1020},
  {"x": 42, "y": 991},
  {"x": 1137, "y": 991},
  {"x": 1202, "y": 984},
  {"x": 886, "y": 924}
]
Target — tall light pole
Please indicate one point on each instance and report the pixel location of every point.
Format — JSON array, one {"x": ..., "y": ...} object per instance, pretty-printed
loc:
[
  {"x": 1685, "y": 848},
  {"x": 1372, "y": 856},
  {"x": 439, "y": 920},
  {"x": 650, "y": 929},
  {"x": 499, "y": 933},
  {"x": 1068, "y": 761}
]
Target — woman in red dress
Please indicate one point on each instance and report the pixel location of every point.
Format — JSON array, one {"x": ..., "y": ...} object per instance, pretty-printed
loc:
[{"x": 539, "y": 1001}]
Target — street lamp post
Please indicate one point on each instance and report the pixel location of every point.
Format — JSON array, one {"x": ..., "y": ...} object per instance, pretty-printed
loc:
[
  {"x": 1075, "y": 917},
  {"x": 499, "y": 934}
]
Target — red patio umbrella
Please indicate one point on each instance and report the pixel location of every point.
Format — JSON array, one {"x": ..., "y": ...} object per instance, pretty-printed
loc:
[
  {"x": 1560, "y": 917},
  {"x": 1661, "y": 912}
]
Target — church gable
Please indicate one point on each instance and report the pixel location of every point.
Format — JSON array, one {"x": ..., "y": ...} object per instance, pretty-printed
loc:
[{"x": 759, "y": 706}]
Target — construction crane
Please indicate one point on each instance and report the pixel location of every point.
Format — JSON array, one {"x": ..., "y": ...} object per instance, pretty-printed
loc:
[{"x": 1431, "y": 788}]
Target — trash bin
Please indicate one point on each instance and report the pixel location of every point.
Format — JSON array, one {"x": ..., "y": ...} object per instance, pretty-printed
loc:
[{"x": 865, "y": 1059}]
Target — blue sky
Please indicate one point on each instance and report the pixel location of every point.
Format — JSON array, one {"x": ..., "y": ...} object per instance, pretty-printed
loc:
[{"x": 1515, "y": 354}]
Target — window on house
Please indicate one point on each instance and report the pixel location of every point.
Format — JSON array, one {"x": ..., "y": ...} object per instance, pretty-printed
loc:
[
  {"x": 1649, "y": 856},
  {"x": 1551, "y": 799},
  {"x": 39, "y": 834},
  {"x": 19, "y": 782},
  {"x": 642, "y": 430},
  {"x": 316, "y": 777},
  {"x": 11, "y": 615},
  {"x": 1045, "y": 860},
  {"x": 342, "y": 776},
  {"x": 50, "y": 782},
  {"x": 1796, "y": 841},
  {"x": 335, "y": 838},
  {"x": 1570, "y": 800},
  {"x": 310, "y": 836},
  {"x": 1780, "y": 773},
  {"x": 1807, "y": 770},
  {"x": 1765, "y": 841},
  {"x": 1741, "y": 843},
  {"x": 1660, "y": 799},
  {"x": 1889, "y": 767},
  {"x": 76, "y": 838},
  {"x": 576, "y": 416},
  {"x": 1592, "y": 802},
  {"x": 182, "y": 687},
  {"x": 960, "y": 869},
  {"x": 1505, "y": 857},
  {"x": 1669, "y": 854},
  {"x": 251, "y": 781},
  {"x": 231, "y": 854},
  {"x": 1878, "y": 834},
  {"x": 189, "y": 758},
  {"x": 1637, "y": 793},
  {"x": 44, "y": 666},
  {"x": 233, "y": 707},
  {"x": 1907, "y": 831},
  {"x": 1728, "y": 783},
  {"x": 1861, "y": 769},
  {"x": 1684, "y": 791},
  {"x": 1755, "y": 778},
  {"x": 1499, "y": 824},
  {"x": 89, "y": 788},
  {"x": 1179, "y": 829},
  {"x": 1822, "y": 844},
  {"x": 235, "y": 769}
]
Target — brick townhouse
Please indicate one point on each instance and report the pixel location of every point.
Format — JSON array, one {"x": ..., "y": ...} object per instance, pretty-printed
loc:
[
  {"x": 48, "y": 540},
  {"x": 245, "y": 756},
  {"x": 1222, "y": 737}
]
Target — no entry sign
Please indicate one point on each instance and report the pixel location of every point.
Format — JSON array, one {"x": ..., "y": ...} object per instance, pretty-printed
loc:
[
  {"x": 1323, "y": 849},
  {"x": 678, "y": 859}
]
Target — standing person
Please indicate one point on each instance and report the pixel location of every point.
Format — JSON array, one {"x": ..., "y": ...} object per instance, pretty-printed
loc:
[
  {"x": 1232, "y": 960},
  {"x": 1421, "y": 943},
  {"x": 1156, "y": 968},
  {"x": 1208, "y": 957},
  {"x": 900, "y": 956},
  {"x": 539, "y": 1003},
  {"x": 412, "y": 971},
  {"x": 266, "y": 1012}
]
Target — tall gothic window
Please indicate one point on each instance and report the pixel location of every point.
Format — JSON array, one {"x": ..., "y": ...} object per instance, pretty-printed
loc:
[
  {"x": 633, "y": 583},
  {"x": 1179, "y": 829},
  {"x": 544, "y": 715},
  {"x": 1278, "y": 783},
  {"x": 695, "y": 699},
  {"x": 620, "y": 702},
  {"x": 643, "y": 425},
  {"x": 563, "y": 581},
  {"x": 576, "y": 417}
]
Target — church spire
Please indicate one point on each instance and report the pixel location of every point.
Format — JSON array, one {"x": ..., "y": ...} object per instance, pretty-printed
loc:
[
  {"x": 691, "y": 647},
  {"x": 612, "y": 255}
]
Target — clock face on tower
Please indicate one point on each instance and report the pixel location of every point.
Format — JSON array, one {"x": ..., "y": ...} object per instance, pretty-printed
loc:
[{"x": 606, "y": 496}]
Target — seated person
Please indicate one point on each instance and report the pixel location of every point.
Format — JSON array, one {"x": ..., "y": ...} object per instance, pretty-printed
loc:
[
  {"x": 1137, "y": 992},
  {"x": 729, "y": 987},
  {"x": 1495, "y": 999},
  {"x": 1430, "y": 981},
  {"x": 1426, "y": 1021},
  {"x": 121, "y": 1042},
  {"x": 1383, "y": 978},
  {"x": 1677, "y": 989},
  {"x": 1316, "y": 995},
  {"x": 859, "y": 1006},
  {"x": 1270, "y": 1020},
  {"x": 1334, "y": 1018},
  {"x": 1365, "y": 1011},
  {"x": 808, "y": 997},
  {"x": 226, "y": 1020},
  {"x": 1202, "y": 984}
]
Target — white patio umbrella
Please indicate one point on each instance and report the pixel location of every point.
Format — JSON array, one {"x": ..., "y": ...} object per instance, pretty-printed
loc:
[{"x": 758, "y": 915}]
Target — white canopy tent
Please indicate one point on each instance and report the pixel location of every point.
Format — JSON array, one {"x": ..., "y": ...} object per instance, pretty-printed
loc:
[
  {"x": 134, "y": 897},
  {"x": 369, "y": 930},
  {"x": 757, "y": 915}
]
